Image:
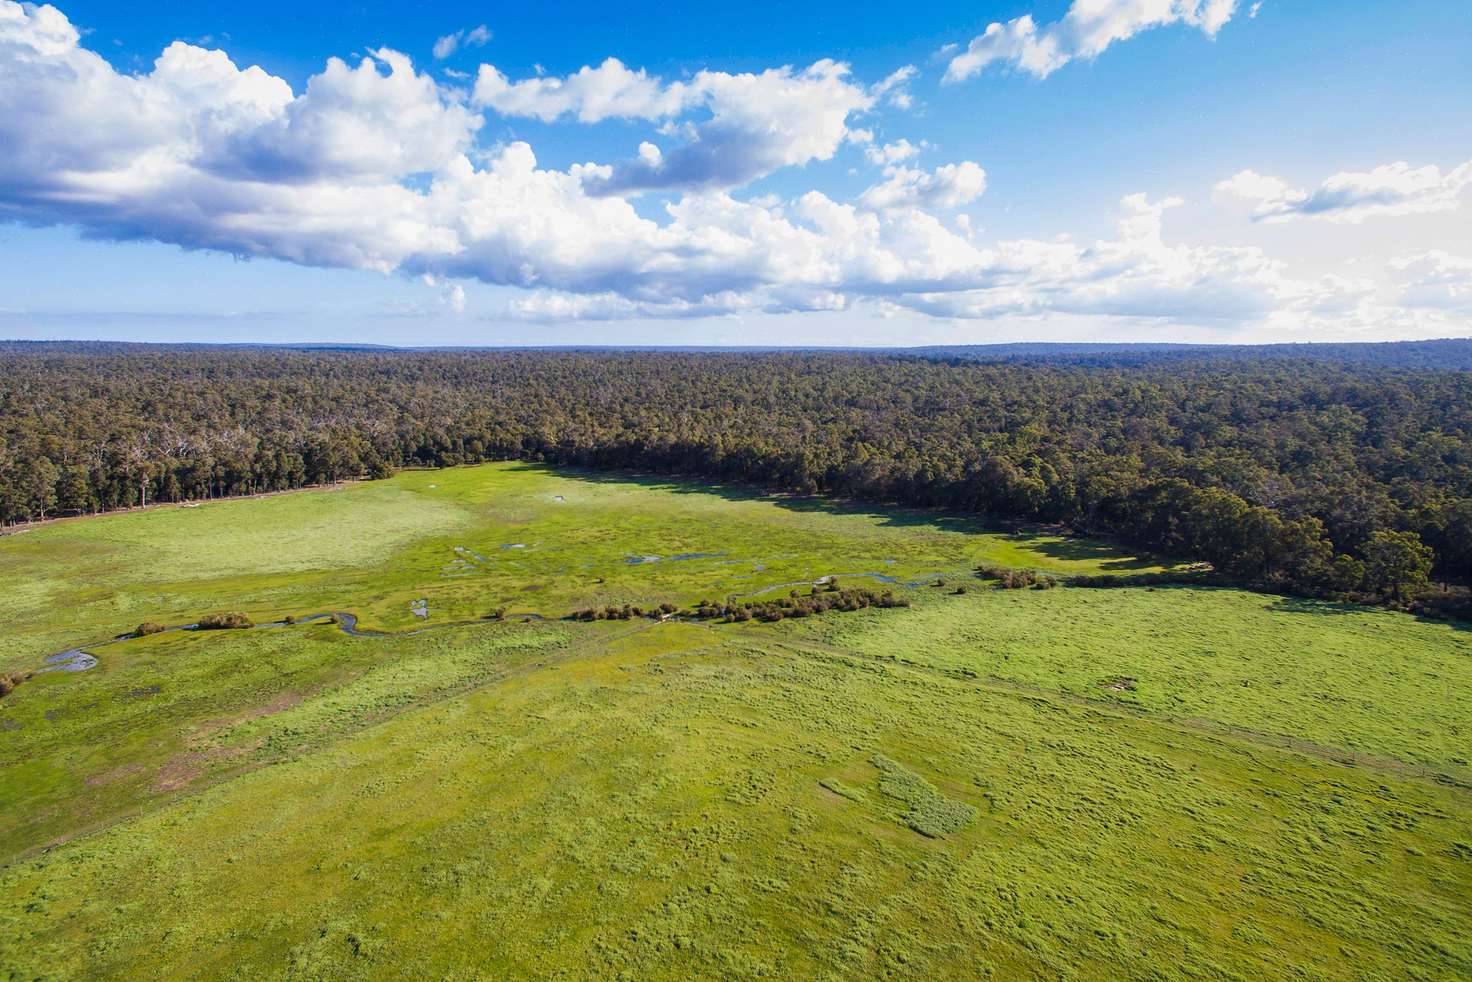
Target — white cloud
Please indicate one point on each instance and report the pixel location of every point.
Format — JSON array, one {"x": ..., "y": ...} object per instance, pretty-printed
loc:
[
  {"x": 757, "y": 122},
  {"x": 610, "y": 91},
  {"x": 475, "y": 37},
  {"x": 892, "y": 153},
  {"x": 376, "y": 167},
  {"x": 1393, "y": 189},
  {"x": 1436, "y": 280},
  {"x": 1089, "y": 27},
  {"x": 894, "y": 88},
  {"x": 451, "y": 300},
  {"x": 949, "y": 186},
  {"x": 1136, "y": 275}
]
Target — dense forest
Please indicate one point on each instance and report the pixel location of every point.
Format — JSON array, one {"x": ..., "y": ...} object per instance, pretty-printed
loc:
[
  {"x": 1447, "y": 354},
  {"x": 1322, "y": 476}
]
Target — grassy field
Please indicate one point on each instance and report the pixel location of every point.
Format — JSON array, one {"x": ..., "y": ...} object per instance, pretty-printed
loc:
[
  {"x": 1091, "y": 783},
  {"x": 469, "y": 540}
]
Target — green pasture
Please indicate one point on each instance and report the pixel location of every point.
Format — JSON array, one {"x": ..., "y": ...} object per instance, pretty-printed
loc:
[
  {"x": 470, "y": 540},
  {"x": 1067, "y": 783}
]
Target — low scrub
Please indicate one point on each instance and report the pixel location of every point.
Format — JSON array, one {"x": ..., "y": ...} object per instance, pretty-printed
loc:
[
  {"x": 149, "y": 627},
  {"x": 614, "y": 612},
  {"x": 1190, "y": 577},
  {"x": 794, "y": 604},
  {"x": 10, "y": 681},
  {"x": 1444, "y": 602},
  {"x": 1016, "y": 579},
  {"x": 225, "y": 622},
  {"x": 816, "y": 602}
]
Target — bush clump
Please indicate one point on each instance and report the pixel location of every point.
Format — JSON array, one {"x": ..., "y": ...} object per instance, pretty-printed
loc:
[
  {"x": 9, "y": 682},
  {"x": 1195, "y": 576},
  {"x": 1016, "y": 579},
  {"x": 234, "y": 621},
  {"x": 149, "y": 627},
  {"x": 795, "y": 605},
  {"x": 770, "y": 611}
]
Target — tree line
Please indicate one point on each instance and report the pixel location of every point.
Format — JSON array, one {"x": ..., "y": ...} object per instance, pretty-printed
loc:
[{"x": 1321, "y": 477}]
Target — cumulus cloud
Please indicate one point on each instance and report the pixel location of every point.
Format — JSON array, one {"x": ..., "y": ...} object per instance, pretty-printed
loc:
[
  {"x": 949, "y": 186},
  {"x": 475, "y": 37},
  {"x": 894, "y": 89},
  {"x": 376, "y": 166},
  {"x": 1393, "y": 189},
  {"x": 892, "y": 153},
  {"x": 755, "y": 122},
  {"x": 1435, "y": 280},
  {"x": 1089, "y": 27},
  {"x": 1136, "y": 274},
  {"x": 591, "y": 95}
]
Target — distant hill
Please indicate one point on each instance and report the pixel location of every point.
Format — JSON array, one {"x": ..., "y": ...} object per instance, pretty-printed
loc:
[{"x": 1450, "y": 354}]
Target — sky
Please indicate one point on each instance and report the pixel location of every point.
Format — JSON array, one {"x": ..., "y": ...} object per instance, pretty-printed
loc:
[{"x": 814, "y": 173}]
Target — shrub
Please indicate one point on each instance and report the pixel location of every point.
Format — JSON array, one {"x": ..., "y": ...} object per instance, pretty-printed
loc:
[
  {"x": 1104, "y": 581},
  {"x": 149, "y": 627},
  {"x": 234, "y": 621},
  {"x": 1016, "y": 579}
]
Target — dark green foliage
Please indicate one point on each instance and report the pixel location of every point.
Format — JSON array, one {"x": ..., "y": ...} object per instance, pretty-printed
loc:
[
  {"x": 1397, "y": 564},
  {"x": 1015, "y": 579},
  {"x": 1276, "y": 471},
  {"x": 796, "y": 605},
  {"x": 225, "y": 622},
  {"x": 611, "y": 612},
  {"x": 1188, "y": 577}
]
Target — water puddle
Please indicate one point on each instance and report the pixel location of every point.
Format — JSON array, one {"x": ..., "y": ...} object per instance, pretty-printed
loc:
[
  {"x": 75, "y": 660},
  {"x": 420, "y": 609},
  {"x": 678, "y": 557}
]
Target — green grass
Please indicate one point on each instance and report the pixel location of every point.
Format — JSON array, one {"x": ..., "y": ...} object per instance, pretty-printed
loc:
[
  {"x": 965, "y": 788},
  {"x": 655, "y": 808},
  {"x": 374, "y": 548},
  {"x": 928, "y": 811},
  {"x": 1348, "y": 677}
]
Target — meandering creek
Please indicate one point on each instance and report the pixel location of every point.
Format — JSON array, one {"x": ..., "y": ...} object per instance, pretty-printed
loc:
[{"x": 80, "y": 660}]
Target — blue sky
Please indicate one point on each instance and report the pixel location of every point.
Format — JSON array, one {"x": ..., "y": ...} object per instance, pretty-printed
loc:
[{"x": 1106, "y": 170}]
